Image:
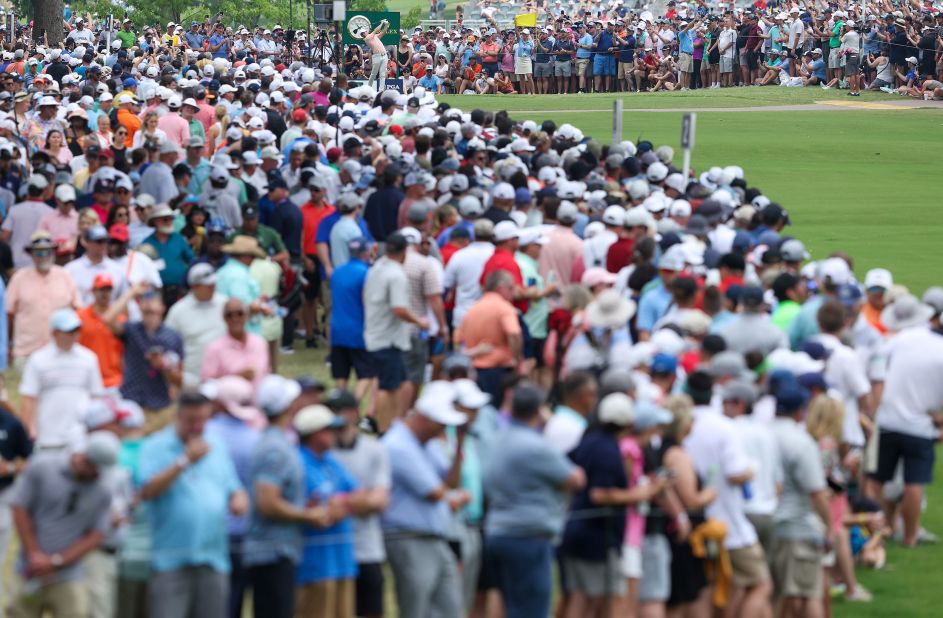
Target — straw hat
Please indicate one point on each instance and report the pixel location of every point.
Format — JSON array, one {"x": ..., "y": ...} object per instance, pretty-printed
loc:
[{"x": 244, "y": 245}]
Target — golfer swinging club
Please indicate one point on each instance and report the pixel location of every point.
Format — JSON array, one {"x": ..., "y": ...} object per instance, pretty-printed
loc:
[{"x": 374, "y": 41}]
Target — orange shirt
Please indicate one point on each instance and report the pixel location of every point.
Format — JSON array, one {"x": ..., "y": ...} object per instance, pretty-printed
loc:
[
  {"x": 97, "y": 337},
  {"x": 491, "y": 320},
  {"x": 873, "y": 316},
  {"x": 132, "y": 123},
  {"x": 312, "y": 216}
]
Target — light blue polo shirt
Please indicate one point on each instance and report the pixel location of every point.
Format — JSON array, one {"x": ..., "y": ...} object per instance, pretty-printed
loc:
[
  {"x": 417, "y": 472},
  {"x": 652, "y": 306},
  {"x": 188, "y": 521}
]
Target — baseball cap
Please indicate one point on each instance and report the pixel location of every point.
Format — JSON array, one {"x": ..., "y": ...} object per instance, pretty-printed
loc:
[
  {"x": 65, "y": 193},
  {"x": 649, "y": 414},
  {"x": 793, "y": 250},
  {"x": 316, "y": 418},
  {"x": 506, "y": 230},
  {"x": 613, "y": 215},
  {"x": 65, "y": 320},
  {"x": 503, "y": 191},
  {"x": 119, "y": 232},
  {"x": 791, "y": 397},
  {"x": 340, "y": 399},
  {"x": 96, "y": 232},
  {"x": 101, "y": 448},
  {"x": 275, "y": 393},
  {"x": 617, "y": 409},
  {"x": 103, "y": 280},
  {"x": 878, "y": 278},
  {"x": 836, "y": 270},
  {"x": 435, "y": 404},
  {"x": 567, "y": 212},
  {"x": 37, "y": 181},
  {"x": 468, "y": 395},
  {"x": 664, "y": 364},
  {"x": 739, "y": 390},
  {"x": 201, "y": 274}
]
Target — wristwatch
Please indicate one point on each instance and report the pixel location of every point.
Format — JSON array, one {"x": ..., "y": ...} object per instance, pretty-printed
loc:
[{"x": 56, "y": 560}]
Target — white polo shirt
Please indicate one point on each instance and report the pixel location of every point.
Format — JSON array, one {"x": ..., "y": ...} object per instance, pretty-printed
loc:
[
  {"x": 462, "y": 274},
  {"x": 199, "y": 325},
  {"x": 845, "y": 373},
  {"x": 716, "y": 449},
  {"x": 62, "y": 383},
  {"x": 762, "y": 449},
  {"x": 83, "y": 272},
  {"x": 913, "y": 387},
  {"x": 139, "y": 267}
]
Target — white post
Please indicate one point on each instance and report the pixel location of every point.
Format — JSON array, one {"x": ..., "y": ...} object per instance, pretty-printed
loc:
[
  {"x": 688, "y": 122},
  {"x": 617, "y": 121}
]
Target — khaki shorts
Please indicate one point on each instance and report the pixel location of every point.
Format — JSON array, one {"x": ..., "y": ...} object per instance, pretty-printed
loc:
[
  {"x": 625, "y": 70},
  {"x": 749, "y": 566},
  {"x": 581, "y": 64},
  {"x": 726, "y": 64},
  {"x": 797, "y": 569},
  {"x": 64, "y": 599},
  {"x": 835, "y": 58},
  {"x": 332, "y": 597},
  {"x": 155, "y": 420},
  {"x": 686, "y": 63}
]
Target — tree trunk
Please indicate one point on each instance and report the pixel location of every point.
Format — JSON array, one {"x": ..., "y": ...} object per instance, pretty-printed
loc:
[{"x": 47, "y": 17}]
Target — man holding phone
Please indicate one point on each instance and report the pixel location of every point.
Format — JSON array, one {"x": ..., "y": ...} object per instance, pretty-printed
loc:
[{"x": 219, "y": 42}]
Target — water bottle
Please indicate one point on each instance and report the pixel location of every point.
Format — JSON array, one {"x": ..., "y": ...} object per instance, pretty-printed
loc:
[
  {"x": 643, "y": 508},
  {"x": 747, "y": 489}
]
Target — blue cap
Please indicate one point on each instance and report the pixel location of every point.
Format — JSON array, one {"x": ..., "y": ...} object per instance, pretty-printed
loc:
[
  {"x": 814, "y": 349},
  {"x": 193, "y": 23},
  {"x": 742, "y": 242},
  {"x": 791, "y": 398},
  {"x": 813, "y": 381},
  {"x": 522, "y": 196},
  {"x": 648, "y": 415},
  {"x": 664, "y": 364},
  {"x": 449, "y": 164},
  {"x": 365, "y": 179},
  {"x": 779, "y": 378},
  {"x": 129, "y": 82},
  {"x": 215, "y": 226},
  {"x": 65, "y": 320},
  {"x": 96, "y": 233},
  {"x": 357, "y": 245},
  {"x": 849, "y": 295},
  {"x": 768, "y": 238}
]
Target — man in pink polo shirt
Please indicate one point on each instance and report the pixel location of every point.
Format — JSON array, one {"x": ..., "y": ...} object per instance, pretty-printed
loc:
[
  {"x": 238, "y": 352},
  {"x": 174, "y": 124}
]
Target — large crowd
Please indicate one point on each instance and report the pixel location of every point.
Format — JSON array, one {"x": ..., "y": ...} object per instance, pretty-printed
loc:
[
  {"x": 559, "y": 369},
  {"x": 608, "y": 47}
]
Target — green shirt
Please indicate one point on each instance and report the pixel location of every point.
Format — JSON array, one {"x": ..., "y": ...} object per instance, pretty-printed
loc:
[
  {"x": 196, "y": 129},
  {"x": 835, "y": 40},
  {"x": 537, "y": 310},
  {"x": 128, "y": 39},
  {"x": 268, "y": 239},
  {"x": 785, "y": 313}
]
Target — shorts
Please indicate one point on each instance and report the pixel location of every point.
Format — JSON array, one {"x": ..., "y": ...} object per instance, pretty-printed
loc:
[
  {"x": 686, "y": 63},
  {"x": 880, "y": 83},
  {"x": 562, "y": 68},
  {"x": 631, "y": 562},
  {"x": 391, "y": 370},
  {"x": 535, "y": 350},
  {"x": 604, "y": 64},
  {"x": 851, "y": 65},
  {"x": 753, "y": 60},
  {"x": 688, "y": 574},
  {"x": 581, "y": 64},
  {"x": 543, "y": 69},
  {"x": 726, "y": 64},
  {"x": 313, "y": 288},
  {"x": 625, "y": 70},
  {"x": 416, "y": 359},
  {"x": 655, "y": 584},
  {"x": 917, "y": 454},
  {"x": 834, "y": 58},
  {"x": 489, "y": 68},
  {"x": 368, "y": 594},
  {"x": 523, "y": 66},
  {"x": 596, "y": 578},
  {"x": 749, "y": 566},
  {"x": 797, "y": 569},
  {"x": 344, "y": 359}
]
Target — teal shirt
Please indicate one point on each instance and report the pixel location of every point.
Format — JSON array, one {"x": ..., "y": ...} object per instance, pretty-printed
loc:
[
  {"x": 537, "y": 311},
  {"x": 234, "y": 280},
  {"x": 176, "y": 255},
  {"x": 806, "y": 324}
]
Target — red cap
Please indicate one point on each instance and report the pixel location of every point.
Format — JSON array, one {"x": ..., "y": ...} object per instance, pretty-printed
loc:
[
  {"x": 299, "y": 115},
  {"x": 119, "y": 232},
  {"x": 103, "y": 280},
  {"x": 333, "y": 154},
  {"x": 396, "y": 129}
]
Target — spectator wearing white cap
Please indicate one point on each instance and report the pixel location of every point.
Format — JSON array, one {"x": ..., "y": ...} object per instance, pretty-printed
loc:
[
  {"x": 24, "y": 218},
  {"x": 174, "y": 125},
  {"x": 58, "y": 381},
  {"x": 562, "y": 260},
  {"x": 831, "y": 274},
  {"x": 415, "y": 524},
  {"x": 42, "y": 122},
  {"x": 61, "y": 506},
  {"x": 196, "y": 317},
  {"x": 463, "y": 271},
  {"x": 656, "y": 297}
]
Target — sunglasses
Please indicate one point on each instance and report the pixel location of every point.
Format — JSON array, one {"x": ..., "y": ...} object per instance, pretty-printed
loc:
[
  {"x": 233, "y": 314},
  {"x": 41, "y": 252}
]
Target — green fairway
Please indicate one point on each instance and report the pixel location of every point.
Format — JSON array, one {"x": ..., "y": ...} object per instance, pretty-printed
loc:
[{"x": 853, "y": 180}]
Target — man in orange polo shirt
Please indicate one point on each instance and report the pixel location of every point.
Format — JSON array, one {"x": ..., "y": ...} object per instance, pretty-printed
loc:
[
  {"x": 491, "y": 334},
  {"x": 97, "y": 337}
]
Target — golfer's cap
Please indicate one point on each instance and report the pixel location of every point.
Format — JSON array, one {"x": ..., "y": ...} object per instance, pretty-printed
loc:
[
  {"x": 65, "y": 193},
  {"x": 649, "y": 415},
  {"x": 879, "y": 278},
  {"x": 201, "y": 274},
  {"x": 65, "y": 320},
  {"x": 616, "y": 409}
]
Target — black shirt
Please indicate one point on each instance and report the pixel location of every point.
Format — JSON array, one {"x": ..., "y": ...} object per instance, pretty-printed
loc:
[
  {"x": 496, "y": 215},
  {"x": 381, "y": 211},
  {"x": 14, "y": 442}
]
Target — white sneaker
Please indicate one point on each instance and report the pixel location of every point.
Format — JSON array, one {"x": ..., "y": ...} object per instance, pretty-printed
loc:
[
  {"x": 824, "y": 87},
  {"x": 887, "y": 89},
  {"x": 684, "y": 90}
]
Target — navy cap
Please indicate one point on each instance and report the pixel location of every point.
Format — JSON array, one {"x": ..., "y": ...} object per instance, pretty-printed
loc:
[
  {"x": 664, "y": 364},
  {"x": 813, "y": 381},
  {"x": 309, "y": 383},
  {"x": 522, "y": 196},
  {"x": 814, "y": 349},
  {"x": 791, "y": 398},
  {"x": 779, "y": 378},
  {"x": 751, "y": 296},
  {"x": 849, "y": 295},
  {"x": 339, "y": 399}
]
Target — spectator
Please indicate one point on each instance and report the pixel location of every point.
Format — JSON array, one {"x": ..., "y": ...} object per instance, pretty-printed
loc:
[
  {"x": 348, "y": 350},
  {"x": 15, "y": 449},
  {"x": 191, "y": 484},
  {"x": 96, "y": 335},
  {"x": 24, "y": 218},
  {"x": 196, "y": 318},
  {"x": 238, "y": 352},
  {"x": 95, "y": 261},
  {"x": 61, "y": 508},
  {"x": 173, "y": 249},
  {"x": 235, "y": 281},
  {"x": 525, "y": 515}
]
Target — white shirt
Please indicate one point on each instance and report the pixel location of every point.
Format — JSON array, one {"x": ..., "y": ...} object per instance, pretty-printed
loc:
[
  {"x": 844, "y": 372},
  {"x": 716, "y": 448},
  {"x": 463, "y": 273},
  {"x": 913, "y": 387},
  {"x": 139, "y": 267},
  {"x": 727, "y": 37},
  {"x": 564, "y": 430},
  {"x": 763, "y": 451},
  {"x": 199, "y": 324},
  {"x": 62, "y": 383},
  {"x": 796, "y": 29},
  {"x": 721, "y": 238},
  {"x": 83, "y": 272},
  {"x": 596, "y": 248}
]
